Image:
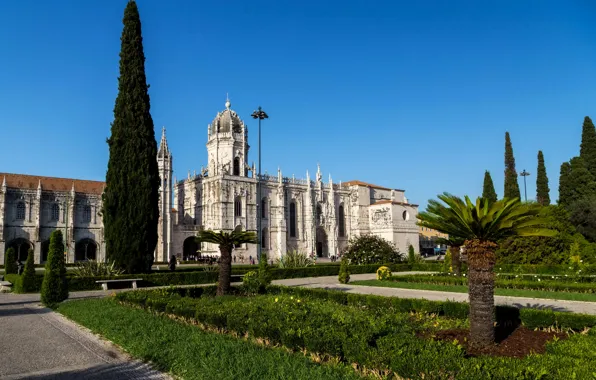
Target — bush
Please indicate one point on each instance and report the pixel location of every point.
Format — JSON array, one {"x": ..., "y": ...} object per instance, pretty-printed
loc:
[
  {"x": 383, "y": 273},
  {"x": 294, "y": 259},
  {"x": 371, "y": 249},
  {"x": 344, "y": 271},
  {"x": 10, "y": 263},
  {"x": 28, "y": 277},
  {"x": 413, "y": 258},
  {"x": 54, "y": 288},
  {"x": 447, "y": 262},
  {"x": 251, "y": 282},
  {"x": 264, "y": 271}
]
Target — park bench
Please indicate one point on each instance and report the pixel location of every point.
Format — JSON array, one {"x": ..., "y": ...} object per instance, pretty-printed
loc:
[
  {"x": 104, "y": 283},
  {"x": 5, "y": 286}
]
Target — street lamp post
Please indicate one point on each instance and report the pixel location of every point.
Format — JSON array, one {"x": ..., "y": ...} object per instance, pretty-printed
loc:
[
  {"x": 525, "y": 174},
  {"x": 260, "y": 115}
]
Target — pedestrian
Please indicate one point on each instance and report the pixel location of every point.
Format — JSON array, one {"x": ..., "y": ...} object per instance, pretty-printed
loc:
[{"x": 172, "y": 265}]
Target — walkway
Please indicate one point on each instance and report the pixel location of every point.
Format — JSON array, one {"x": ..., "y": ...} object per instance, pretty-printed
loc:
[{"x": 40, "y": 344}]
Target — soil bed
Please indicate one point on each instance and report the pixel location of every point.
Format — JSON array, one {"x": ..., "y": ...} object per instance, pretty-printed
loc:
[{"x": 517, "y": 344}]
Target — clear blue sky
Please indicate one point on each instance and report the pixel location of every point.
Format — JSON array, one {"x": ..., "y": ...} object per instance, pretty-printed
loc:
[{"x": 415, "y": 95}]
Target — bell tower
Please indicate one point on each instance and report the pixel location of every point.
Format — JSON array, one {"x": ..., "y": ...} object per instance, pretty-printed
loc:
[
  {"x": 164, "y": 164},
  {"x": 227, "y": 144}
]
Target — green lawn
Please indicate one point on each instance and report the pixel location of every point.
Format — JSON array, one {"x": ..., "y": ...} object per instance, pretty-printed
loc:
[
  {"x": 588, "y": 297},
  {"x": 191, "y": 353}
]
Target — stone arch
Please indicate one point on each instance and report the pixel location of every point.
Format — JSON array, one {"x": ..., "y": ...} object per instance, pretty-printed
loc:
[
  {"x": 322, "y": 245},
  {"x": 236, "y": 166},
  {"x": 341, "y": 220},
  {"x": 21, "y": 248},
  {"x": 86, "y": 249},
  {"x": 264, "y": 207},
  {"x": 265, "y": 238},
  {"x": 190, "y": 248},
  {"x": 319, "y": 214}
]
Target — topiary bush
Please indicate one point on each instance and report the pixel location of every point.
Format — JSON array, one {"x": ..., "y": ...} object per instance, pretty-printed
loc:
[
  {"x": 413, "y": 258},
  {"x": 264, "y": 271},
  {"x": 28, "y": 278},
  {"x": 344, "y": 271},
  {"x": 371, "y": 249},
  {"x": 251, "y": 282},
  {"x": 54, "y": 288},
  {"x": 383, "y": 273},
  {"x": 10, "y": 263}
]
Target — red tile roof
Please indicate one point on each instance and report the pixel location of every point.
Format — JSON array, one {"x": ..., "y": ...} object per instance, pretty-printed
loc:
[
  {"x": 360, "y": 183},
  {"x": 25, "y": 181}
]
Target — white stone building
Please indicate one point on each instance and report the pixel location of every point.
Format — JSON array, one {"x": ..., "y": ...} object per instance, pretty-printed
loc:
[{"x": 306, "y": 215}]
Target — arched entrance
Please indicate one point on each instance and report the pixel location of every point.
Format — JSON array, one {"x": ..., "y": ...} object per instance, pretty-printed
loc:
[
  {"x": 21, "y": 248},
  {"x": 190, "y": 249},
  {"x": 85, "y": 249},
  {"x": 322, "y": 247}
]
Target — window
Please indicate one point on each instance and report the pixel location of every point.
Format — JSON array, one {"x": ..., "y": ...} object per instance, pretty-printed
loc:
[
  {"x": 55, "y": 212},
  {"x": 264, "y": 239},
  {"x": 319, "y": 214},
  {"x": 293, "y": 219},
  {"x": 264, "y": 208},
  {"x": 238, "y": 207},
  {"x": 87, "y": 214},
  {"x": 342, "y": 222},
  {"x": 21, "y": 211},
  {"x": 405, "y": 215},
  {"x": 236, "y": 166}
]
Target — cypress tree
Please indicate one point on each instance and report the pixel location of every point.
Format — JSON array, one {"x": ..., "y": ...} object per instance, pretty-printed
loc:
[
  {"x": 576, "y": 182},
  {"x": 28, "y": 277},
  {"x": 488, "y": 190},
  {"x": 130, "y": 203},
  {"x": 542, "y": 190},
  {"x": 54, "y": 288},
  {"x": 10, "y": 263},
  {"x": 511, "y": 185},
  {"x": 587, "y": 150}
]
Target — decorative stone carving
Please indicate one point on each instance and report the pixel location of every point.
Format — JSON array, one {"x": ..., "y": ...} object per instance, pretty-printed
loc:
[{"x": 381, "y": 217}]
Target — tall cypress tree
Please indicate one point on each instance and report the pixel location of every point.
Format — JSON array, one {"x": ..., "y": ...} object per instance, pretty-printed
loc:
[
  {"x": 564, "y": 184},
  {"x": 587, "y": 150},
  {"x": 488, "y": 190},
  {"x": 511, "y": 185},
  {"x": 130, "y": 201},
  {"x": 576, "y": 182},
  {"x": 542, "y": 190}
]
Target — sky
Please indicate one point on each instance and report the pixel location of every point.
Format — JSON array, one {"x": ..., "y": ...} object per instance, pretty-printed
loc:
[{"x": 413, "y": 95}]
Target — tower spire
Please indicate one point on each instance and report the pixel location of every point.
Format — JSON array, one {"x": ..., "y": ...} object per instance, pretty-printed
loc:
[
  {"x": 228, "y": 103},
  {"x": 163, "y": 145}
]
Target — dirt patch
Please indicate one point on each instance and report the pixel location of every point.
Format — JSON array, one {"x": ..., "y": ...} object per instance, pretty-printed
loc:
[{"x": 519, "y": 343}]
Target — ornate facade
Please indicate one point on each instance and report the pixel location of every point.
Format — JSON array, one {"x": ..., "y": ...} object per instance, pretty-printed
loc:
[
  {"x": 307, "y": 215},
  {"x": 310, "y": 216}
]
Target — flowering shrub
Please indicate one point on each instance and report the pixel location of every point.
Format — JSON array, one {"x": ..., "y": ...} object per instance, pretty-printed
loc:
[
  {"x": 372, "y": 249},
  {"x": 383, "y": 273}
]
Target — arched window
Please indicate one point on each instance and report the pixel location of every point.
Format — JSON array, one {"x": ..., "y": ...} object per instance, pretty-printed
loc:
[
  {"x": 85, "y": 249},
  {"x": 236, "y": 166},
  {"x": 238, "y": 207},
  {"x": 293, "y": 219},
  {"x": 264, "y": 207},
  {"x": 21, "y": 211},
  {"x": 319, "y": 214},
  {"x": 55, "y": 212},
  {"x": 264, "y": 239},
  {"x": 87, "y": 214},
  {"x": 342, "y": 222}
]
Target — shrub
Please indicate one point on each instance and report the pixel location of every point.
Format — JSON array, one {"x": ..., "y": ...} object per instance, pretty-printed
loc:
[
  {"x": 92, "y": 268},
  {"x": 412, "y": 257},
  {"x": 264, "y": 271},
  {"x": 383, "y": 273},
  {"x": 251, "y": 282},
  {"x": 10, "y": 263},
  {"x": 371, "y": 249},
  {"x": 28, "y": 278},
  {"x": 54, "y": 288},
  {"x": 447, "y": 262},
  {"x": 344, "y": 271},
  {"x": 294, "y": 259}
]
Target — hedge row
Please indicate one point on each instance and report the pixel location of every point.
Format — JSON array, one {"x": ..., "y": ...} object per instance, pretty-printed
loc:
[
  {"x": 372, "y": 339},
  {"x": 547, "y": 285}
]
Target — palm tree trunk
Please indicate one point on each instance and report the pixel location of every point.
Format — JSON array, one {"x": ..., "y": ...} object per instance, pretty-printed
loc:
[
  {"x": 481, "y": 289},
  {"x": 455, "y": 260},
  {"x": 225, "y": 271}
]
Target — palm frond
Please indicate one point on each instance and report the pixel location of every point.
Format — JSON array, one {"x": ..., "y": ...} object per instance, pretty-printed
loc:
[{"x": 227, "y": 239}]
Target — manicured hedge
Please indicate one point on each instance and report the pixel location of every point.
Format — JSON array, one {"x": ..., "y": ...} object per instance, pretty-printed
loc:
[
  {"x": 504, "y": 283},
  {"x": 373, "y": 337}
]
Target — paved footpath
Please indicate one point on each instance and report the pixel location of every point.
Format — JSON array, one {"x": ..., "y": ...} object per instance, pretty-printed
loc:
[{"x": 36, "y": 343}]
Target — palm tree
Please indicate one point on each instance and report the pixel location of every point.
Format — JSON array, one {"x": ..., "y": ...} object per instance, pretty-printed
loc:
[
  {"x": 226, "y": 241},
  {"x": 455, "y": 243},
  {"x": 482, "y": 225}
]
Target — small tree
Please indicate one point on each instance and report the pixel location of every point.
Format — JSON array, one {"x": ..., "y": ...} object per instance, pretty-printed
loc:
[
  {"x": 371, "y": 249},
  {"x": 264, "y": 271},
  {"x": 412, "y": 259},
  {"x": 28, "y": 276},
  {"x": 54, "y": 288},
  {"x": 511, "y": 185},
  {"x": 542, "y": 189},
  {"x": 488, "y": 188},
  {"x": 344, "y": 271},
  {"x": 10, "y": 264}
]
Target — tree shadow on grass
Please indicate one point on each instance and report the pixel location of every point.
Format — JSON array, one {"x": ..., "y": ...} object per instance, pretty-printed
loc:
[{"x": 539, "y": 306}]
